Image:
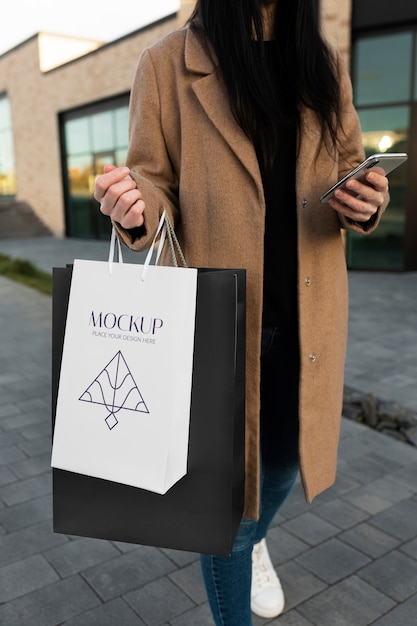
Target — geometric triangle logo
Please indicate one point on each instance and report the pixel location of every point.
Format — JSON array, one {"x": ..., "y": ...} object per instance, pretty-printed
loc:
[{"x": 116, "y": 389}]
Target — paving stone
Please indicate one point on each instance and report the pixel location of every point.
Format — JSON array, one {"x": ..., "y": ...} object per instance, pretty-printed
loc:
[
  {"x": 295, "y": 504},
  {"x": 292, "y": 618},
  {"x": 369, "y": 540},
  {"x": 128, "y": 572},
  {"x": 158, "y": 602},
  {"x": 23, "y": 515},
  {"x": 343, "y": 484},
  {"x": 283, "y": 546},
  {"x": 298, "y": 583},
  {"x": 410, "y": 548},
  {"x": 403, "y": 615},
  {"x": 42, "y": 430},
  {"x": 7, "y": 440},
  {"x": 21, "y": 420},
  {"x": 190, "y": 580},
  {"x": 26, "y": 490},
  {"x": 29, "y": 541},
  {"x": 332, "y": 560},
  {"x": 34, "y": 466},
  {"x": 360, "y": 445},
  {"x": 113, "y": 613},
  {"x": 364, "y": 470},
  {"x": 180, "y": 557},
  {"x": 6, "y": 476},
  {"x": 349, "y": 428},
  {"x": 341, "y": 514},
  {"x": 33, "y": 405},
  {"x": 351, "y": 602},
  {"x": 395, "y": 451},
  {"x": 200, "y": 616},
  {"x": 406, "y": 476},
  {"x": 11, "y": 455},
  {"x": 399, "y": 520},
  {"x": 310, "y": 528},
  {"x": 7, "y": 411},
  {"x": 124, "y": 548},
  {"x": 395, "y": 574},
  {"x": 23, "y": 577},
  {"x": 378, "y": 496},
  {"x": 51, "y": 605},
  {"x": 33, "y": 447},
  {"x": 80, "y": 554}
]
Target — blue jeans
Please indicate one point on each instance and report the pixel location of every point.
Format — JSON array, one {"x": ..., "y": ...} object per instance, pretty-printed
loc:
[{"x": 228, "y": 579}]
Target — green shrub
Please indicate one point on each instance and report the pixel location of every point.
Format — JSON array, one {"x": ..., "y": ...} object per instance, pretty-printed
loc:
[{"x": 25, "y": 272}]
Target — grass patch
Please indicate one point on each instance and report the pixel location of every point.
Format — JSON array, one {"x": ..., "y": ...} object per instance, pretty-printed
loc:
[{"x": 26, "y": 273}]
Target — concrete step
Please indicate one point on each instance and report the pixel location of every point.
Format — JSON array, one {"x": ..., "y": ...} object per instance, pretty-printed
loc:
[{"x": 19, "y": 221}]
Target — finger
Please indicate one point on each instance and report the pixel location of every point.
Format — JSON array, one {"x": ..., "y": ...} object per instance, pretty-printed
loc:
[
  {"x": 108, "y": 168},
  {"x": 359, "y": 195},
  {"x": 374, "y": 184},
  {"x": 378, "y": 181},
  {"x": 117, "y": 203},
  {"x": 114, "y": 192},
  {"x": 360, "y": 212},
  {"x": 132, "y": 217},
  {"x": 106, "y": 180}
]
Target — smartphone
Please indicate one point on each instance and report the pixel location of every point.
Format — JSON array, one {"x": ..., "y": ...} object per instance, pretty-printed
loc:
[{"x": 384, "y": 163}]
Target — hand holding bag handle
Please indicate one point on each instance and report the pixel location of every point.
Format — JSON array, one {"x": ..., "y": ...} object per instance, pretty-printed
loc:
[{"x": 166, "y": 231}]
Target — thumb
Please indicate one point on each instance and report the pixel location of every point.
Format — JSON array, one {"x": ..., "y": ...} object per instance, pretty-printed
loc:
[{"x": 109, "y": 168}]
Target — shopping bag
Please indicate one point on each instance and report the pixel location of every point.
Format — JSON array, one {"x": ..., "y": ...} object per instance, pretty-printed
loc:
[
  {"x": 203, "y": 510},
  {"x": 123, "y": 405}
]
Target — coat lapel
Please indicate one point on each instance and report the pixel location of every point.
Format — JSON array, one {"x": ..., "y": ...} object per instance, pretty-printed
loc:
[{"x": 211, "y": 93}]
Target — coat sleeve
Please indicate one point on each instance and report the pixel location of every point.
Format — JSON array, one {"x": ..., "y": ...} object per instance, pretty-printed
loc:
[
  {"x": 351, "y": 151},
  {"x": 147, "y": 156}
]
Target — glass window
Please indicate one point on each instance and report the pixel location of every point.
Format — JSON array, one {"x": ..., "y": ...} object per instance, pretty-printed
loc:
[
  {"x": 7, "y": 162},
  {"x": 5, "y": 117},
  {"x": 92, "y": 139},
  {"x": 79, "y": 174},
  {"x": 102, "y": 131},
  {"x": 384, "y": 129},
  {"x": 382, "y": 69},
  {"x": 121, "y": 117},
  {"x": 77, "y": 136}
]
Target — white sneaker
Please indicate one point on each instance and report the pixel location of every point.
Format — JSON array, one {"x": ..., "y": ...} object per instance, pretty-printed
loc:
[{"x": 267, "y": 597}]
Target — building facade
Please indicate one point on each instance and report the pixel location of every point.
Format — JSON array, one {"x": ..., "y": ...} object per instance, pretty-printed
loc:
[{"x": 59, "y": 127}]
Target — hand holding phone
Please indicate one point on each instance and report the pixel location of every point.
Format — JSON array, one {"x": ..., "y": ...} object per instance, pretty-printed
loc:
[{"x": 384, "y": 163}]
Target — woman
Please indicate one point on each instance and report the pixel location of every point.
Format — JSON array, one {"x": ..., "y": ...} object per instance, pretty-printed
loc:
[{"x": 239, "y": 122}]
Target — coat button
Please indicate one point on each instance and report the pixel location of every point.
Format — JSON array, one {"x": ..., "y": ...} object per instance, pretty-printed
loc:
[
  {"x": 307, "y": 281},
  {"x": 312, "y": 357},
  {"x": 304, "y": 203}
]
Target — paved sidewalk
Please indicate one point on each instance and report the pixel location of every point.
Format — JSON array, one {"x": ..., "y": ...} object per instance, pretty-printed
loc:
[{"x": 349, "y": 559}]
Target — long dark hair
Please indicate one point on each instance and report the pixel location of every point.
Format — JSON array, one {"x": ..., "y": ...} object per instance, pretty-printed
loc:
[{"x": 306, "y": 62}]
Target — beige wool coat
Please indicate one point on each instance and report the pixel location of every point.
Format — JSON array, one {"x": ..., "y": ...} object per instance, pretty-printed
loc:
[{"x": 189, "y": 156}]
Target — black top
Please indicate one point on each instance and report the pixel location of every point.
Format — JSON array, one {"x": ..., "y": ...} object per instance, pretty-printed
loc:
[{"x": 280, "y": 256}]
